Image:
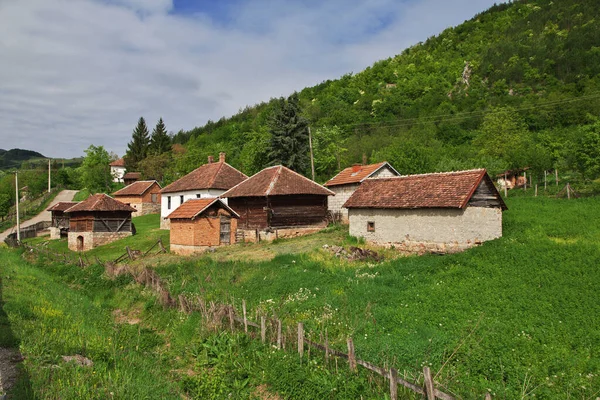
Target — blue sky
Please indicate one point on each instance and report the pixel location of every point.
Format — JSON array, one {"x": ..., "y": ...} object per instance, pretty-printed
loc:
[{"x": 76, "y": 73}]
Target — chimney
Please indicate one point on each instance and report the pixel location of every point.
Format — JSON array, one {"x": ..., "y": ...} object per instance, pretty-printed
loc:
[
  {"x": 364, "y": 158},
  {"x": 211, "y": 159},
  {"x": 356, "y": 167},
  {"x": 221, "y": 157}
]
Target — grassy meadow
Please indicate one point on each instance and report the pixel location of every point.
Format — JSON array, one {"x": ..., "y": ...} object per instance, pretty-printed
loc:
[{"x": 517, "y": 316}]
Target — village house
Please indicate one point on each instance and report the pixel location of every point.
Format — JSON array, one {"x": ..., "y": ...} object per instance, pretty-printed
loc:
[
  {"x": 278, "y": 202},
  {"x": 98, "y": 220},
  {"x": 512, "y": 179},
  {"x": 117, "y": 170},
  {"x": 144, "y": 196},
  {"x": 348, "y": 180},
  {"x": 440, "y": 212},
  {"x": 59, "y": 220},
  {"x": 199, "y": 224},
  {"x": 131, "y": 177},
  {"x": 208, "y": 181}
]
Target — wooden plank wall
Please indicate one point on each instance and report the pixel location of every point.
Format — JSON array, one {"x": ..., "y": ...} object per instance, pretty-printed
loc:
[{"x": 485, "y": 195}]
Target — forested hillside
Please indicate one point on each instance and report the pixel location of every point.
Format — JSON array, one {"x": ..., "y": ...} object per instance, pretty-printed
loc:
[
  {"x": 517, "y": 85},
  {"x": 14, "y": 157}
]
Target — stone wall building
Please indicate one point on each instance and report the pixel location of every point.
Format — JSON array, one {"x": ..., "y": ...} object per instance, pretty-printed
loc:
[
  {"x": 208, "y": 181},
  {"x": 98, "y": 220},
  {"x": 59, "y": 220},
  {"x": 441, "y": 212},
  {"x": 199, "y": 224},
  {"x": 144, "y": 196},
  {"x": 348, "y": 180},
  {"x": 278, "y": 202},
  {"x": 117, "y": 170}
]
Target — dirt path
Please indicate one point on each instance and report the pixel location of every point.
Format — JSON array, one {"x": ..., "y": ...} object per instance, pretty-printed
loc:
[
  {"x": 65, "y": 195},
  {"x": 9, "y": 358}
]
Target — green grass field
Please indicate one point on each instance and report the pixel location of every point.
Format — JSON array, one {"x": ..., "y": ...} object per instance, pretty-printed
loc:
[{"x": 517, "y": 316}]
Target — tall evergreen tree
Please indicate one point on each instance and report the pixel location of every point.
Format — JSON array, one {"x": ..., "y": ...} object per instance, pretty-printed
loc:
[
  {"x": 160, "y": 142},
  {"x": 137, "y": 149},
  {"x": 289, "y": 136}
]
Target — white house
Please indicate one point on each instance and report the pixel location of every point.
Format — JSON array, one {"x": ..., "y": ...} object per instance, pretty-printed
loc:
[
  {"x": 208, "y": 181},
  {"x": 117, "y": 170},
  {"x": 348, "y": 180},
  {"x": 441, "y": 212}
]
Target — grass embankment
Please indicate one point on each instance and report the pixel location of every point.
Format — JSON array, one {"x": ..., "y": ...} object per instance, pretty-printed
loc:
[{"x": 29, "y": 209}]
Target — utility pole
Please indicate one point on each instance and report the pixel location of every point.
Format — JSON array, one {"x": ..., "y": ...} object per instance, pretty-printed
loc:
[
  {"x": 49, "y": 172},
  {"x": 312, "y": 160},
  {"x": 18, "y": 221}
]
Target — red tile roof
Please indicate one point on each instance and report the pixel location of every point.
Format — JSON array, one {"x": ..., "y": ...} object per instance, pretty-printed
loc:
[
  {"x": 136, "y": 188},
  {"x": 132, "y": 175},
  {"x": 118, "y": 163},
  {"x": 439, "y": 190},
  {"x": 357, "y": 173},
  {"x": 274, "y": 181},
  {"x": 61, "y": 206},
  {"x": 100, "y": 202},
  {"x": 218, "y": 175},
  {"x": 194, "y": 207}
]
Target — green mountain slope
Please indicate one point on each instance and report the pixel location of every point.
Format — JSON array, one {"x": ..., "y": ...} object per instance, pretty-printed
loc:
[
  {"x": 511, "y": 87},
  {"x": 14, "y": 157}
]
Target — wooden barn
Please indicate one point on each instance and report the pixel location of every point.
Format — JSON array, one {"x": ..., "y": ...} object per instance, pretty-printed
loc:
[
  {"x": 199, "y": 224},
  {"x": 441, "y": 212},
  {"x": 278, "y": 202},
  {"x": 348, "y": 180},
  {"x": 131, "y": 177},
  {"x": 59, "y": 220},
  {"x": 144, "y": 196},
  {"x": 98, "y": 220},
  {"x": 207, "y": 181}
]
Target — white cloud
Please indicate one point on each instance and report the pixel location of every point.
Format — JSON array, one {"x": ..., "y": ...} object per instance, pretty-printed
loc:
[{"x": 79, "y": 72}]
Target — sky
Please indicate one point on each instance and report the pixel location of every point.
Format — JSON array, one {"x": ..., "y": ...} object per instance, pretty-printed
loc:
[{"x": 80, "y": 72}]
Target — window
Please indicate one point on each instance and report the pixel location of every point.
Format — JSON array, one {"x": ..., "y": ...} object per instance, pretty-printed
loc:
[
  {"x": 198, "y": 196},
  {"x": 168, "y": 202},
  {"x": 370, "y": 226},
  {"x": 181, "y": 199}
]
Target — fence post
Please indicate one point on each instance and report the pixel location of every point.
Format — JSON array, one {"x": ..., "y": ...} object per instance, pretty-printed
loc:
[
  {"x": 536, "y": 190},
  {"x": 326, "y": 347},
  {"x": 393, "y": 384},
  {"x": 351, "y": 356},
  {"x": 428, "y": 383},
  {"x": 263, "y": 329},
  {"x": 300, "y": 339},
  {"x": 279, "y": 334},
  {"x": 245, "y": 319}
]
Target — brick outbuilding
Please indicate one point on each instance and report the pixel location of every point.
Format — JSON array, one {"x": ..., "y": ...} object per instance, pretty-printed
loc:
[
  {"x": 199, "y": 224},
  {"x": 144, "y": 196}
]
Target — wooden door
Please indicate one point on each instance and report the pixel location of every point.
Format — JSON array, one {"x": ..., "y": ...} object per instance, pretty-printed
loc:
[{"x": 225, "y": 230}]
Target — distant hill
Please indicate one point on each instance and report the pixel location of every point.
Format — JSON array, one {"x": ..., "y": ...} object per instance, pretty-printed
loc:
[{"x": 14, "y": 157}]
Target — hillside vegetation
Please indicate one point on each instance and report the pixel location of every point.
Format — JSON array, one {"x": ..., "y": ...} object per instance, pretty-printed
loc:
[{"x": 517, "y": 85}]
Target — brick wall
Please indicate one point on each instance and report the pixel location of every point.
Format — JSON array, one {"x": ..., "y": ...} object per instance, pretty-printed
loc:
[{"x": 189, "y": 236}]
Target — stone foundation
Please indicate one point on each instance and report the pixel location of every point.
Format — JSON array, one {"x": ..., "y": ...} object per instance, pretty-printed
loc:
[
  {"x": 254, "y": 236},
  {"x": 420, "y": 248},
  {"x": 54, "y": 233},
  {"x": 165, "y": 223},
  {"x": 187, "y": 250},
  {"x": 145, "y": 209},
  {"x": 93, "y": 239}
]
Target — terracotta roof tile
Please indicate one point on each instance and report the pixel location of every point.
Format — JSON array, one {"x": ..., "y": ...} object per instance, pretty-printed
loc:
[
  {"x": 356, "y": 174},
  {"x": 100, "y": 202},
  {"x": 118, "y": 163},
  {"x": 132, "y": 175},
  {"x": 219, "y": 175},
  {"x": 62, "y": 206},
  {"x": 439, "y": 190},
  {"x": 194, "y": 207},
  {"x": 274, "y": 181},
  {"x": 135, "y": 189}
]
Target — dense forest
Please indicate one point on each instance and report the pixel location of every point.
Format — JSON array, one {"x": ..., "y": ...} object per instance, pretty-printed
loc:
[
  {"x": 517, "y": 85},
  {"x": 14, "y": 158}
]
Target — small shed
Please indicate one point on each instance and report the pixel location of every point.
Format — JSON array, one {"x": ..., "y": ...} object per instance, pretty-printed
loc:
[
  {"x": 59, "y": 220},
  {"x": 131, "y": 177},
  {"x": 440, "y": 212},
  {"x": 199, "y": 224},
  {"x": 144, "y": 196},
  {"x": 98, "y": 220},
  {"x": 278, "y": 202},
  {"x": 348, "y": 180}
]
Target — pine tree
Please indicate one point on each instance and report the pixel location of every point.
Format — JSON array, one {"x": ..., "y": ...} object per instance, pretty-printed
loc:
[
  {"x": 137, "y": 149},
  {"x": 160, "y": 142},
  {"x": 289, "y": 136}
]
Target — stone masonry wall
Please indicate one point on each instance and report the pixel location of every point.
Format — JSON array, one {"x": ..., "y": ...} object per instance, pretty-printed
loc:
[
  {"x": 342, "y": 194},
  {"x": 94, "y": 239},
  {"x": 435, "y": 229}
]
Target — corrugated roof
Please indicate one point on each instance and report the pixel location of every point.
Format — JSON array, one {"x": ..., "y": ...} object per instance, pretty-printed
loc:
[
  {"x": 194, "y": 207},
  {"x": 275, "y": 181},
  {"x": 135, "y": 189},
  {"x": 438, "y": 190},
  {"x": 118, "y": 163},
  {"x": 100, "y": 202},
  {"x": 219, "y": 175},
  {"x": 356, "y": 174},
  {"x": 62, "y": 206}
]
